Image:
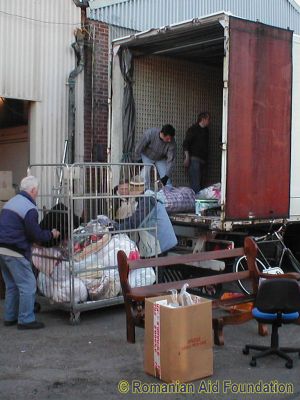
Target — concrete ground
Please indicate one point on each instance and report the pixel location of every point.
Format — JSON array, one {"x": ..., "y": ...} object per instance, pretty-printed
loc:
[{"x": 89, "y": 360}]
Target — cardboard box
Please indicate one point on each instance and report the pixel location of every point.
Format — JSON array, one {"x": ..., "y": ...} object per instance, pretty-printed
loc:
[
  {"x": 6, "y": 180},
  {"x": 178, "y": 341},
  {"x": 6, "y": 194},
  {"x": 6, "y": 188}
]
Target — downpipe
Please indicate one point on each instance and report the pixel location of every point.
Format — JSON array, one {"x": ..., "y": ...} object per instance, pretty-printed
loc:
[{"x": 78, "y": 47}]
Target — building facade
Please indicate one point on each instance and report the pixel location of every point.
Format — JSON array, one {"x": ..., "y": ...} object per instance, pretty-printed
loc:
[{"x": 112, "y": 19}]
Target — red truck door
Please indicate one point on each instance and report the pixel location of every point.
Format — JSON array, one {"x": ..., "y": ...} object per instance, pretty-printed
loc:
[{"x": 259, "y": 121}]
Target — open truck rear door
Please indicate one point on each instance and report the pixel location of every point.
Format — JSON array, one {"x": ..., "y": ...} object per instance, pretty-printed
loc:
[{"x": 259, "y": 121}]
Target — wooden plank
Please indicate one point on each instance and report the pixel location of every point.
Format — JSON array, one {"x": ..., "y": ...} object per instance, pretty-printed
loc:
[
  {"x": 160, "y": 288},
  {"x": 185, "y": 259}
]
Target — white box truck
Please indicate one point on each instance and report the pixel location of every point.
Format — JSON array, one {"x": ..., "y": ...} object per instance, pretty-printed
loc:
[{"x": 246, "y": 74}]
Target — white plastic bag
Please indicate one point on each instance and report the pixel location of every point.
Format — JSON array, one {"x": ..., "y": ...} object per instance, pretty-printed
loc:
[
  {"x": 45, "y": 285},
  {"x": 46, "y": 259},
  {"x": 62, "y": 291},
  {"x": 59, "y": 290},
  {"x": 141, "y": 277},
  {"x": 108, "y": 255},
  {"x": 210, "y": 192},
  {"x": 107, "y": 285}
]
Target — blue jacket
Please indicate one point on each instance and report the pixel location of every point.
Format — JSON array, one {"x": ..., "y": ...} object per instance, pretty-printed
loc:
[
  {"x": 19, "y": 226},
  {"x": 148, "y": 216}
]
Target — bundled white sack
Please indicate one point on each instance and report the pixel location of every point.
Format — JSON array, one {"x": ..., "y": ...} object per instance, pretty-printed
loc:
[
  {"x": 89, "y": 263},
  {"x": 106, "y": 286},
  {"x": 46, "y": 259},
  {"x": 141, "y": 277},
  {"x": 62, "y": 291},
  {"x": 210, "y": 192},
  {"x": 108, "y": 255},
  {"x": 59, "y": 290},
  {"x": 45, "y": 285},
  {"x": 62, "y": 271}
]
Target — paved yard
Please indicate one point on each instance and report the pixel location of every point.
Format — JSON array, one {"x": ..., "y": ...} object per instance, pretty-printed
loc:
[{"x": 89, "y": 360}]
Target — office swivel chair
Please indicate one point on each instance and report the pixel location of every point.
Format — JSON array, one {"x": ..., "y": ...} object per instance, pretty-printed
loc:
[{"x": 277, "y": 303}]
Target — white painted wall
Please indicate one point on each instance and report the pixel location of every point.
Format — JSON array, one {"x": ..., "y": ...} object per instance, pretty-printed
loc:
[
  {"x": 295, "y": 146},
  {"x": 36, "y": 59}
]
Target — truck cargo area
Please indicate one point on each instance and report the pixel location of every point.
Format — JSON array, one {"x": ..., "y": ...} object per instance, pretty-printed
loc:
[
  {"x": 176, "y": 76},
  {"x": 231, "y": 68}
]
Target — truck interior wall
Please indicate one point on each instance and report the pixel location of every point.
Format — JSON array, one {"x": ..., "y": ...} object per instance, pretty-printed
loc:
[
  {"x": 14, "y": 137},
  {"x": 175, "y": 91},
  {"x": 15, "y": 158}
]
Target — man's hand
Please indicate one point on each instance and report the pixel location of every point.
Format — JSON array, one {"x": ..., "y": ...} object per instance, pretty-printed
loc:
[
  {"x": 164, "y": 180},
  {"x": 55, "y": 233},
  {"x": 186, "y": 162}
]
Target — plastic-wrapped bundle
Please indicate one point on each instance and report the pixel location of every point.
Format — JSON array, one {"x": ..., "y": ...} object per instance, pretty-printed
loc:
[
  {"x": 141, "y": 277},
  {"x": 46, "y": 259},
  {"x": 105, "y": 286},
  {"x": 107, "y": 256},
  {"x": 60, "y": 291},
  {"x": 177, "y": 199},
  {"x": 210, "y": 192}
]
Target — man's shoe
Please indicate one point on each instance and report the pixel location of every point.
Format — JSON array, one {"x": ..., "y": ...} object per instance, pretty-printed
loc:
[
  {"x": 32, "y": 325},
  {"x": 10, "y": 323}
]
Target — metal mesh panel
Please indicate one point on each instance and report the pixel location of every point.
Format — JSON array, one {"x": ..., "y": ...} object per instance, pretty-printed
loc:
[
  {"x": 175, "y": 91},
  {"x": 96, "y": 219}
]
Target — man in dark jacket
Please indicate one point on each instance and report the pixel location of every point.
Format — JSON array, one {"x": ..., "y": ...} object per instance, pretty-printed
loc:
[
  {"x": 195, "y": 146},
  {"x": 19, "y": 229}
]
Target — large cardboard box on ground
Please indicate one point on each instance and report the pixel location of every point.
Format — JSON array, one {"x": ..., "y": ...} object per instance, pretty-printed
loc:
[{"x": 178, "y": 341}]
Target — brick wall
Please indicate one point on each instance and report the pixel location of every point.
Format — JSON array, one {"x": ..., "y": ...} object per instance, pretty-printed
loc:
[{"x": 96, "y": 90}]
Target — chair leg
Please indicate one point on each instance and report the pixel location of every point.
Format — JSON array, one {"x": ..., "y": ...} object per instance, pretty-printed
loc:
[
  {"x": 130, "y": 328},
  {"x": 283, "y": 355},
  {"x": 290, "y": 350},
  {"x": 254, "y": 347},
  {"x": 270, "y": 351},
  {"x": 218, "y": 331},
  {"x": 130, "y": 325},
  {"x": 273, "y": 349},
  {"x": 267, "y": 352}
]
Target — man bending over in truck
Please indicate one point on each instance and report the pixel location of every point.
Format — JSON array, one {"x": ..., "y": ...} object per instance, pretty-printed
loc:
[
  {"x": 157, "y": 146},
  {"x": 195, "y": 146}
]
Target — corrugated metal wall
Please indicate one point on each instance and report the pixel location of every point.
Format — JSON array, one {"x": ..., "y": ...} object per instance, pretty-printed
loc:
[
  {"x": 145, "y": 14},
  {"x": 116, "y": 32},
  {"x": 35, "y": 61}
]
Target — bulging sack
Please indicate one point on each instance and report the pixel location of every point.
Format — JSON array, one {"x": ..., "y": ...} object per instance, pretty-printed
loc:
[{"x": 177, "y": 199}]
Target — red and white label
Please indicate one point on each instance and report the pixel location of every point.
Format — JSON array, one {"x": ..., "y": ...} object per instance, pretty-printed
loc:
[{"x": 156, "y": 339}]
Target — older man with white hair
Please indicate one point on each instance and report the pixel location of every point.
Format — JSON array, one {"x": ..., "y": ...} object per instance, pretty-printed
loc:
[{"x": 19, "y": 229}]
